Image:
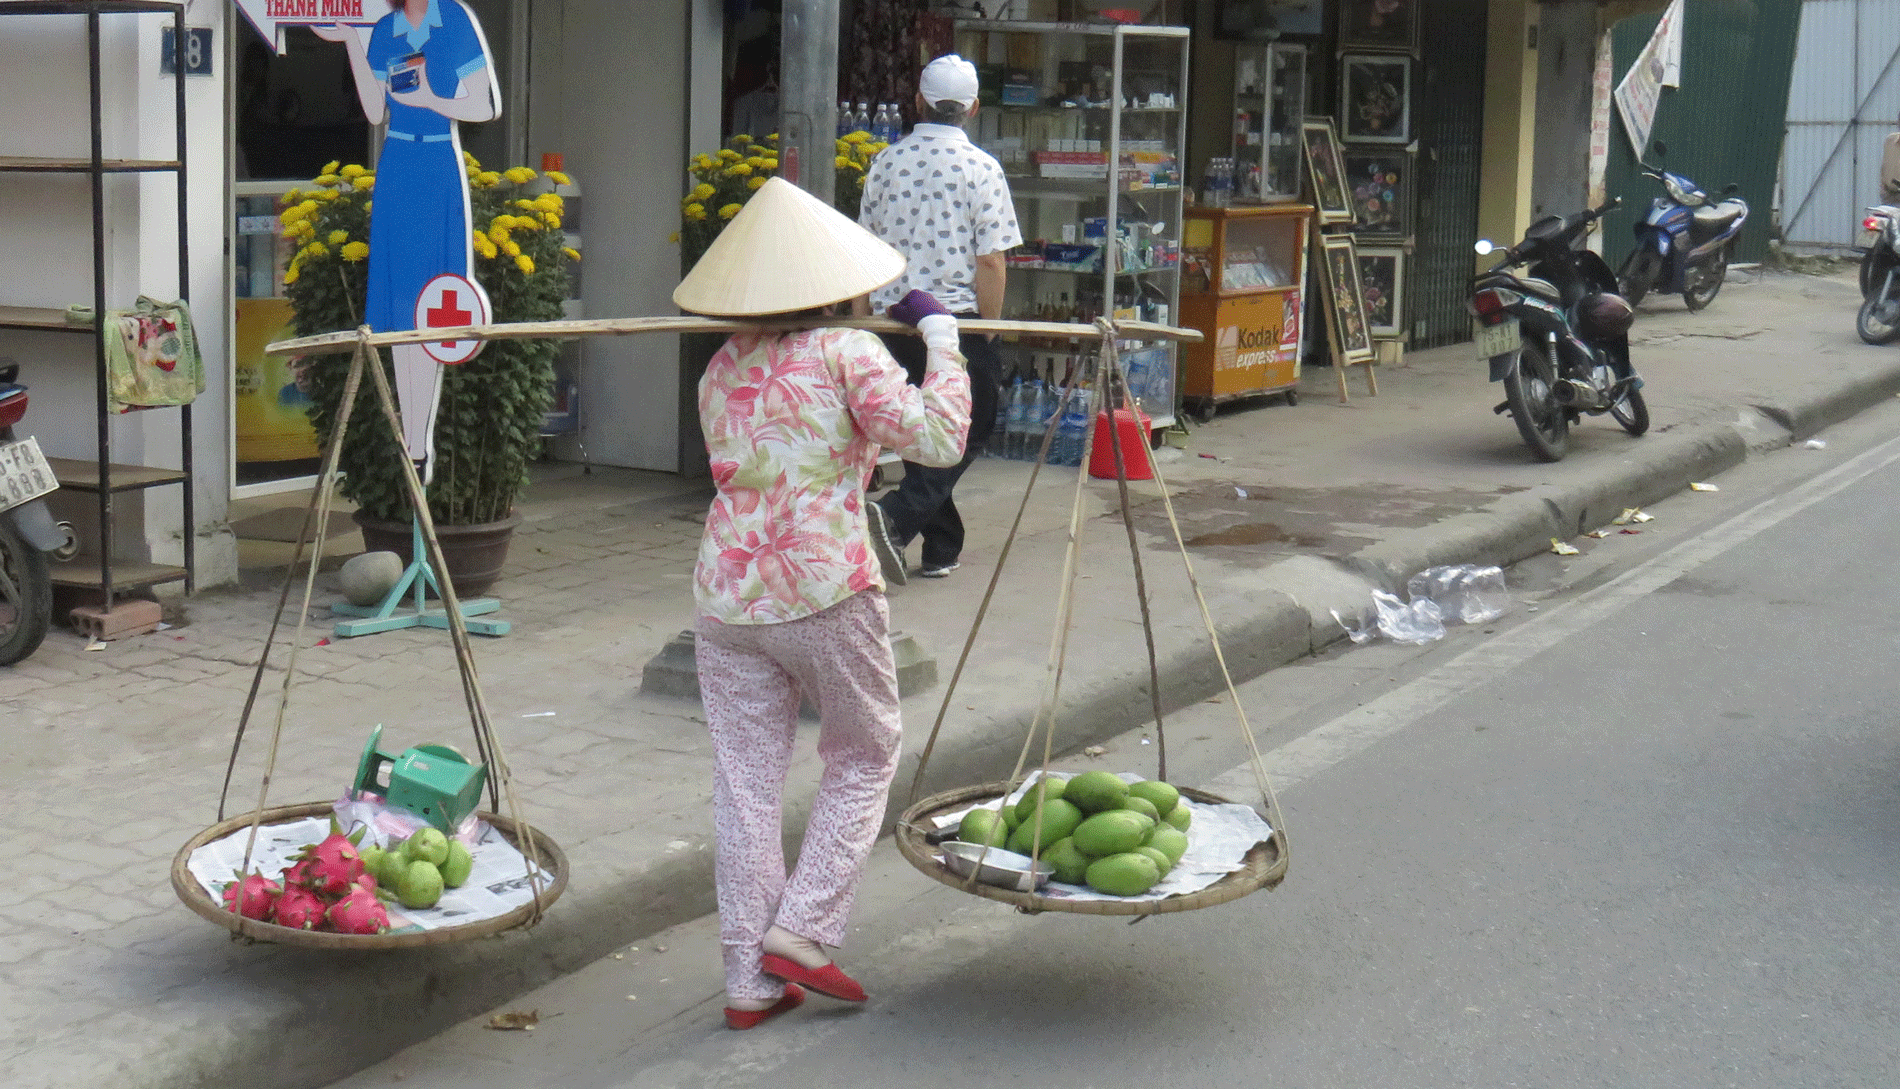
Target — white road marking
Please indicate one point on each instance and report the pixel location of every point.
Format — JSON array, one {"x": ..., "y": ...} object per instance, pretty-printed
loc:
[{"x": 1361, "y": 728}]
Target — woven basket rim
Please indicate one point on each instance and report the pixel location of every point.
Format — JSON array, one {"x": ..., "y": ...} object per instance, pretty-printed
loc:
[
  {"x": 553, "y": 860},
  {"x": 1265, "y": 864}
]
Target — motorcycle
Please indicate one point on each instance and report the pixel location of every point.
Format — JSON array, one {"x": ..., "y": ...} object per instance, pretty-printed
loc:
[
  {"x": 1557, "y": 335},
  {"x": 1879, "y": 319},
  {"x": 28, "y": 533},
  {"x": 1685, "y": 242}
]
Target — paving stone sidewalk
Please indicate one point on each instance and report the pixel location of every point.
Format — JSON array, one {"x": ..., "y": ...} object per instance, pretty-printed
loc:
[{"x": 115, "y": 757}]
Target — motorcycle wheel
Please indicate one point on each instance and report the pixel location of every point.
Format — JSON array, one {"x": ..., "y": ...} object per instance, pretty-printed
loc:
[
  {"x": 1706, "y": 281},
  {"x": 1878, "y": 321},
  {"x": 1639, "y": 274},
  {"x": 1543, "y": 423},
  {"x": 26, "y": 596},
  {"x": 1632, "y": 412}
]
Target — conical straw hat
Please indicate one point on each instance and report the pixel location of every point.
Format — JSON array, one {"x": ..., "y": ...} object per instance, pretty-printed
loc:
[{"x": 785, "y": 251}]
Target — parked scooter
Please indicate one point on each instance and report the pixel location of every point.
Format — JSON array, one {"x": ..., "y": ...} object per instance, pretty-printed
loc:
[
  {"x": 27, "y": 530},
  {"x": 1557, "y": 335},
  {"x": 1685, "y": 242},
  {"x": 1879, "y": 319}
]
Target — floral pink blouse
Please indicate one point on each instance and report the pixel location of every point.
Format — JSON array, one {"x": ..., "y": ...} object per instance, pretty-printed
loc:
[{"x": 793, "y": 424}]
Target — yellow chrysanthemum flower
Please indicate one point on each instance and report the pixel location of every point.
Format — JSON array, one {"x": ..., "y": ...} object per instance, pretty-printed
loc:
[
  {"x": 754, "y": 183},
  {"x": 356, "y": 251},
  {"x": 290, "y": 275},
  {"x": 520, "y": 175},
  {"x": 488, "y": 179},
  {"x": 367, "y": 205},
  {"x": 306, "y": 230},
  {"x": 730, "y": 210},
  {"x": 702, "y": 161},
  {"x": 330, "y": 167},
  {"x": 771, "y": 164},
  {"x": 316, "y": 249},
  {"x": 498, "y": 235},
  {"x": 309, "y": 205},
  {"x": 841, "y": 147},
  {"x": 365, "y": 183},
  {"x": 484, "y": 247},
  {"x": 553, "y": 221},
  {"x": 738, "y": 170},
  {"x": 726, "y": 154},
  {"x": 771, "y": 138},
  {"x": 551, "y": 202},
  {"x": 857, "y": 137},
  {"x": 695, "y": 210},
  {"x": 525, "y": 264},
  {"x": 472, "y": 162},
  {"x": 702, "y": 191},
  {"x": 505, "y": 222},
  {"x": 575, "y": 255},
  {"x": 327, "y": 179},
  {"x": 352, "y": 172},
  {"x": 511, "y": 248},
  {"x": 337, "y": 238},
  {"x": 293, "y": 196},
  {"x": 290, "y": 216},
  {"x": 325, "y": 195},
  {"x": 844, "y": 162},
  {"x": 559, "y": 178}
]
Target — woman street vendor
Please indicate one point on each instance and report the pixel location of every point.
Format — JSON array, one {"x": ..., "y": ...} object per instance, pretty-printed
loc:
[{"x": 789, "y": 593}]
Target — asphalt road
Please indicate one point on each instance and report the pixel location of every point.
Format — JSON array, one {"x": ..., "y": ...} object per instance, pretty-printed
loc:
[{"x": 1643, "y": 831}]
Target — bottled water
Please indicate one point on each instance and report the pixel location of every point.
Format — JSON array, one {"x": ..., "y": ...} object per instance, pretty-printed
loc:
[
  {"x": 1019, "y": 421},
  {"x": 861, "y": 120},
  {"x": 1013, "y": 421},
  {"x": 1074, "y": 428},
  {"x": 996, "y": 445},
  {"x": 1045, "y": 410},
  {"x": 844, "y": 118}
]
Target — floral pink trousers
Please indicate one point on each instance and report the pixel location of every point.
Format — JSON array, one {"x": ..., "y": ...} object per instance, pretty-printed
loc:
[{"x": 751, "y": 678}]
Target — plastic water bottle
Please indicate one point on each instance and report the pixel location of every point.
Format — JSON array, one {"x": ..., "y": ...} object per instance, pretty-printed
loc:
[
  {"x": 861, "y": 120},
  {"x": 996, "y": 446},
  {"x": 844, "y": 118},
  {"x": 1075, "y": 428},
  {"x": 1011, "y": 413},
  {"x": 1019, "y": 413},
  {"x": 886, "y": 125},
  {"x": 1047, "y": 399}
]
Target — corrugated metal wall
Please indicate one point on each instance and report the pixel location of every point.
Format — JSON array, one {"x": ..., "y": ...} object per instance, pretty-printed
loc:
[
  {"x": 1843, "y": 100},
  {"x": 1724, "y": 124},
  {"x": 1450, "y": 105}
]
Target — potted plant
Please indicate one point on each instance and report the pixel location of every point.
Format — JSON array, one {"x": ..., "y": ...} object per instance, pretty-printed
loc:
[{"x": 492, "y": 407}]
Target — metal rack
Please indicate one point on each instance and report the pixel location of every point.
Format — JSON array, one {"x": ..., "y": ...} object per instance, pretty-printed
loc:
[{"x": 101, "y": 476}]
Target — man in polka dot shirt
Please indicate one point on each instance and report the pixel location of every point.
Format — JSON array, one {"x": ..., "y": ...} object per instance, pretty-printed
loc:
[{"x": 944, "y": 203}]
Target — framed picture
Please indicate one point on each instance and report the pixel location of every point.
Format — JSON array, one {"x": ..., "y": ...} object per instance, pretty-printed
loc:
[
  {"x": 1382, "y": 283},
  {"x": 1379, "y": 188},
  {"x": 1325, "y": 170},
  {"x": 1379, "y": 24},
  {"x": 1375, "y": 98},
  {"x": 1339, "y": 260}
]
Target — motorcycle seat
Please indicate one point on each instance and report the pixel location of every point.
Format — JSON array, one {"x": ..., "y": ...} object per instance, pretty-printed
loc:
[
  {"x": 1711, "y": 220},
  {"x": 1543, "y": 289}
]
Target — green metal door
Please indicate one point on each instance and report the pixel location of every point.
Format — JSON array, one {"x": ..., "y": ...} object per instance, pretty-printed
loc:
[
  {"x": 1724, "y": 124},
  {"x": 1450, "y": 108}
]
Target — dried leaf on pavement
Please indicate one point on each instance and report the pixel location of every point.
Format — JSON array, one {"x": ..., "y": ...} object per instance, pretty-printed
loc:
[{"x": 523, "y": 1020}]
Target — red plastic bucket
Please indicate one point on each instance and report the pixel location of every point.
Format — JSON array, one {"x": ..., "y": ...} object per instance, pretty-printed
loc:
[{"x": 1133, "y": 429}]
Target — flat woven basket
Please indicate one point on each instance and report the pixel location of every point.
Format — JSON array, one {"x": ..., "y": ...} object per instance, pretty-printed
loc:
[
  {"x": 553, "y": 860},
  {"x": 1263, "y": 868}
]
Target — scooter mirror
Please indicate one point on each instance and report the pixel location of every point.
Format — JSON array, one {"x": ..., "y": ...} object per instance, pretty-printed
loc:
[{"x": 1483, "y": 246}]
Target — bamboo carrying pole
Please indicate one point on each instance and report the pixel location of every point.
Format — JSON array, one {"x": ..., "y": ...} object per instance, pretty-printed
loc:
[{"x": 613, "y": 327}]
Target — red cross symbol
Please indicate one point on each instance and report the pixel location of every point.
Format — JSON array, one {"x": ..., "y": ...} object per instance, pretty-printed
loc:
[{"x": 451, "y": 302}]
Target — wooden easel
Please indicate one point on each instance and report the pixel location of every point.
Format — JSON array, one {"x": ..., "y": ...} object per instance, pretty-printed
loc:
[{"x": 1340, "y": 362}]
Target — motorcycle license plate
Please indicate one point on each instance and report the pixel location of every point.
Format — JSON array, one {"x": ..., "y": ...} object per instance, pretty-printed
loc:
[
  {"x": 24, "y": 473},
  {"x": 1497, "y": 339}
]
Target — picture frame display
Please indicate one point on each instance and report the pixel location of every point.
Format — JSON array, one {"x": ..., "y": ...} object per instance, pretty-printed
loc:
[
  {"x": 1339, "y": 263},
  {"x": 1379, "y": 188},
  {"x": 1382, "y": 285},
  {"x": 1379, "y": 24},
  {"x": 1375, "y": 98},
  {"x": 1326, "y": 171}
]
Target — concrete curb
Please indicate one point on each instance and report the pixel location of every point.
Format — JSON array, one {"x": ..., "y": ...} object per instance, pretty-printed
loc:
[{"x": 1271, "y": 617}]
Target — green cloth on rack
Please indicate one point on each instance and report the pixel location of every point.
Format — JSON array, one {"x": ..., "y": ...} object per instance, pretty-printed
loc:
[{"x": 152, "y": 356}]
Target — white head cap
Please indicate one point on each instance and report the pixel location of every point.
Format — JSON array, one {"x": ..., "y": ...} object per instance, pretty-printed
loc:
[{"x": 949, "y": 78}]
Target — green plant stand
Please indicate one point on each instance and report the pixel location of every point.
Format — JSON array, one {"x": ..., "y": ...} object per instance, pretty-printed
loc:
[{"x": 418, "y": 578}]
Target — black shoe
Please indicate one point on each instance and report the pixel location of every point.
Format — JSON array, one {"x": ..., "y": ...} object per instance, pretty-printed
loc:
[
  {"x": 889, "y": 557},
  {"x": 938, "y": 570}
]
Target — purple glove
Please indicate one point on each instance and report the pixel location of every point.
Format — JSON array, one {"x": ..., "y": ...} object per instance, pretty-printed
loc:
[{"x": 915, "y": 307}]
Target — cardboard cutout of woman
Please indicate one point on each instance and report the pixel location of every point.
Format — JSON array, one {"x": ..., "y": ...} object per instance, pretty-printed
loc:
[{"x": 421, "y": 69}]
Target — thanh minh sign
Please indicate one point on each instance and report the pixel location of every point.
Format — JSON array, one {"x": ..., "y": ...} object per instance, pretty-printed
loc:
[{"x": 272, "y": 17}]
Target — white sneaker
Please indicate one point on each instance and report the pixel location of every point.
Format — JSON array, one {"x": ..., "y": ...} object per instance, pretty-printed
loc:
[
  {"x": 938, "y": 571},
  {"x": 890, "y": 558}
]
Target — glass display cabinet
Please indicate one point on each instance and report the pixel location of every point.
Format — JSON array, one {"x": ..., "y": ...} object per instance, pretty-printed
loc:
[
  {"x": 1089, "y": 123},
  {"x": 1269, "y": 103},
  {"x": 1244, "y": 271}
]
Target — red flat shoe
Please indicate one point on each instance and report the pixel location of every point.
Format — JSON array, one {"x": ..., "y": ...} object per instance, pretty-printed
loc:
[
  {"x": 745, "y": 1019},
  {"x": 829, "y": 980}
]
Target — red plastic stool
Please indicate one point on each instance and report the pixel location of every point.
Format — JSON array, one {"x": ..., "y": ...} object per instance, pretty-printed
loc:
[{"x": 1133, "y": 428}]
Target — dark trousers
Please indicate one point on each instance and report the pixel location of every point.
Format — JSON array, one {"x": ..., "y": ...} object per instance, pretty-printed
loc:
[{"x": 922, "y": 504}]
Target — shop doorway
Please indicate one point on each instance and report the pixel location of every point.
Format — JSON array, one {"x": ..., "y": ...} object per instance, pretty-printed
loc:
[{"x": 291, "y": 115}]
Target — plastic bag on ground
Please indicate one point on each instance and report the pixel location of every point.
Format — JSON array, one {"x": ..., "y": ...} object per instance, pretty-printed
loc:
[{"x": 1465, "y": 593}]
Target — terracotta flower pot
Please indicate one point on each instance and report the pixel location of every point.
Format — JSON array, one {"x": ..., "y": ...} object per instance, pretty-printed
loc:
[{"x": 474, "y": 554}]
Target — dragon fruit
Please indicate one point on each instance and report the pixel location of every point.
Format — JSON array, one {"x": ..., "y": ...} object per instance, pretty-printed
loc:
[
  {"x": 297, "y": 873},
  {"x": 359, "y": 912},
  {"x": 299, "y": 909},
  {"x": 334, "y": 865},
  {"x": 253, "y": 897}
]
